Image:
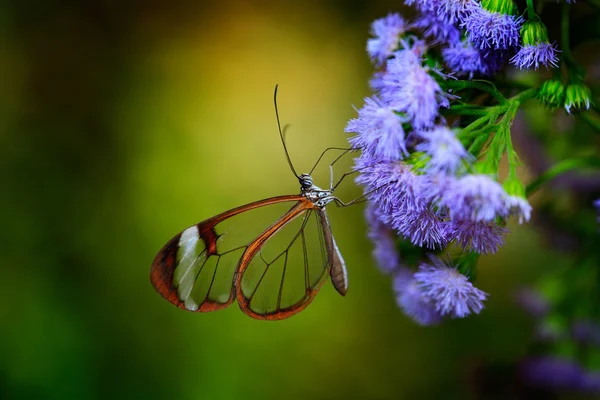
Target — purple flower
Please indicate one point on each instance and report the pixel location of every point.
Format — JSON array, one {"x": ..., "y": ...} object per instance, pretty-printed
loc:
[
  {"x": 492, "y": 30},
  {"x": 480, "y": 236},
  {"x": 392, "y": 185},
  {"x": 535, "y": 55},
  {"x": 387, "y": 33},
  {"x": 383, "y": 238},
  {"x": 475, "y": 198},
  {"x": 404, "y": 60},
  {"x": 436, "y": 28},
  {"x": 464, "y": 59},
  {"x": 450, "y": 291},
  {"x": 519, "y": 207},
  {"x": 376, "y": 84},
  {"x": 446, "y": 153},
  {"x": 380, "y": 132},
  {"x": 411, "y": 300},
  {"x": 453, "y": 11},
  {"x": 423, "y": 227},
  {"x": 553, "y": 373},
  {"x": 423, "y": 5},
  {"x": 408, "y": 87}
]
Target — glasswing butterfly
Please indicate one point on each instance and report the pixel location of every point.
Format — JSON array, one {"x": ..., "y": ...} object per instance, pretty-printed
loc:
[{"x": 274, "y": 274}]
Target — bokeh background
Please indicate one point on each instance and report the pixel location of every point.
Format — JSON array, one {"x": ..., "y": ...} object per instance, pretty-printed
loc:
[{"x": 121, "y": 123}]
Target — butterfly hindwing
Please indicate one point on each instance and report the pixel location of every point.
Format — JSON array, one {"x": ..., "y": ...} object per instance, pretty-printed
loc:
[{"x": 286, "y": 266}]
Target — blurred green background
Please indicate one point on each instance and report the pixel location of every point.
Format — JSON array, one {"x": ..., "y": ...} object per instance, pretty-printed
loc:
[{"x": 121, "y": 123}]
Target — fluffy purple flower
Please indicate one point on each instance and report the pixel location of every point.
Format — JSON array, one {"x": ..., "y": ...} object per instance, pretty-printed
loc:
[
  {"x": 392, "y": 185},
  {"x": 423, "y": 5},
  {"x": 376, "y": 83},
  {"x": 387, "y": 33},
  {"x": 409, "y": 88},
  {"x": 492, "y": 30},
  {"x": 454, "y": 11},
  {"x": 380, "y": 132},
  {"x": 479, "y": 236},
  {"x": 423, "y": 227},
  {"x": 446, "y": 153},
  {"x": 385, "y": 251},
  {"x": 450, "y": 291},
  {"x": 536, "y": 55},
  {"x": 402, "y": 202},
  {"x": 411, "y": 300},
  {"x": 519, "y": 207},
  {"x": 436, "y": 28},
  {"x": 475, "y": 198},
  {"x": 464, "y": 59},
  {"x": 404, "y": 60}
]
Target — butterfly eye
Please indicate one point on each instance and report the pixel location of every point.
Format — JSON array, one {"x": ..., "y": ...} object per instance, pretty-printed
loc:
[{"x": 306, "y": 181}]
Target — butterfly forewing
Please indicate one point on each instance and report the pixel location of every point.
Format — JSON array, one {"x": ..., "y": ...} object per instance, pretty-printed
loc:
[
  {"x": 196, "y": 269},
  {"x": 287, "y": 270}
]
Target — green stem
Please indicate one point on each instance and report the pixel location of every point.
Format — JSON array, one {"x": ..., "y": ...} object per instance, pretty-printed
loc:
[
  {"x": 531, "y": 15},
  {"x": 561, "y": 168},
  {"x": 474, "y": 133},
  {"x": 525, "y": 95},
  {"x": 564, "y": 26},
  {"x": 478, "y": 144},
  {"x": 473, "y": 126},
  {"x": 467, "y": 265},
  {"x": 502, "y": 139},
  {"x": 481, "y": 85},
  {"x": 510, "y": 151},
  {"x": 576, "y": 72},
  {"x": 466, "y": 110}
]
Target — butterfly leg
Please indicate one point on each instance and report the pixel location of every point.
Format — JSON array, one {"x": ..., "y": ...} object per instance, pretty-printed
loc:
[{"x": 360, "y": 199}]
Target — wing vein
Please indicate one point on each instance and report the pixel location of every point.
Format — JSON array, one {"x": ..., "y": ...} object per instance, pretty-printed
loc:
[
  {"x": 282, "y": 280},
  {"x": 212, "y": 281}
]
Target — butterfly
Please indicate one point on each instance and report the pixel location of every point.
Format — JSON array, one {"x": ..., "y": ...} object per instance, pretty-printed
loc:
[{"x": 274, "y": 274}]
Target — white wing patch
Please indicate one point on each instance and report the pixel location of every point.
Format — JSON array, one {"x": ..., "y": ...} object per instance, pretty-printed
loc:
[{"x": 191, "y": 256}]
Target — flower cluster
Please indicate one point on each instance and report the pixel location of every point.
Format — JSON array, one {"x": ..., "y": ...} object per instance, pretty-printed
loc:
[
  {"x": 423, "y": 185},
  {"x": 432, "y": 138}
]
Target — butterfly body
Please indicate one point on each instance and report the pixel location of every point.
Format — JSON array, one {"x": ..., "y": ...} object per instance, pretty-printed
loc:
[{"x": 204, "y": 269}]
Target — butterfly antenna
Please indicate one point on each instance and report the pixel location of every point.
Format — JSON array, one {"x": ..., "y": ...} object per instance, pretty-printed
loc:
[{"x": 282, "y": 134}]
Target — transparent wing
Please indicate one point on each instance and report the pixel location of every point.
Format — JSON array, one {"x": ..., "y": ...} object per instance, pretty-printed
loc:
[
  {"x": 285, "y": 268},
  {"x": 196, "y": 269}
]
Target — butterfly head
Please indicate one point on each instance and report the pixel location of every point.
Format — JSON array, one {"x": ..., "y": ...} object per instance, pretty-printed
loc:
[{"x": 306, "y": 182}]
